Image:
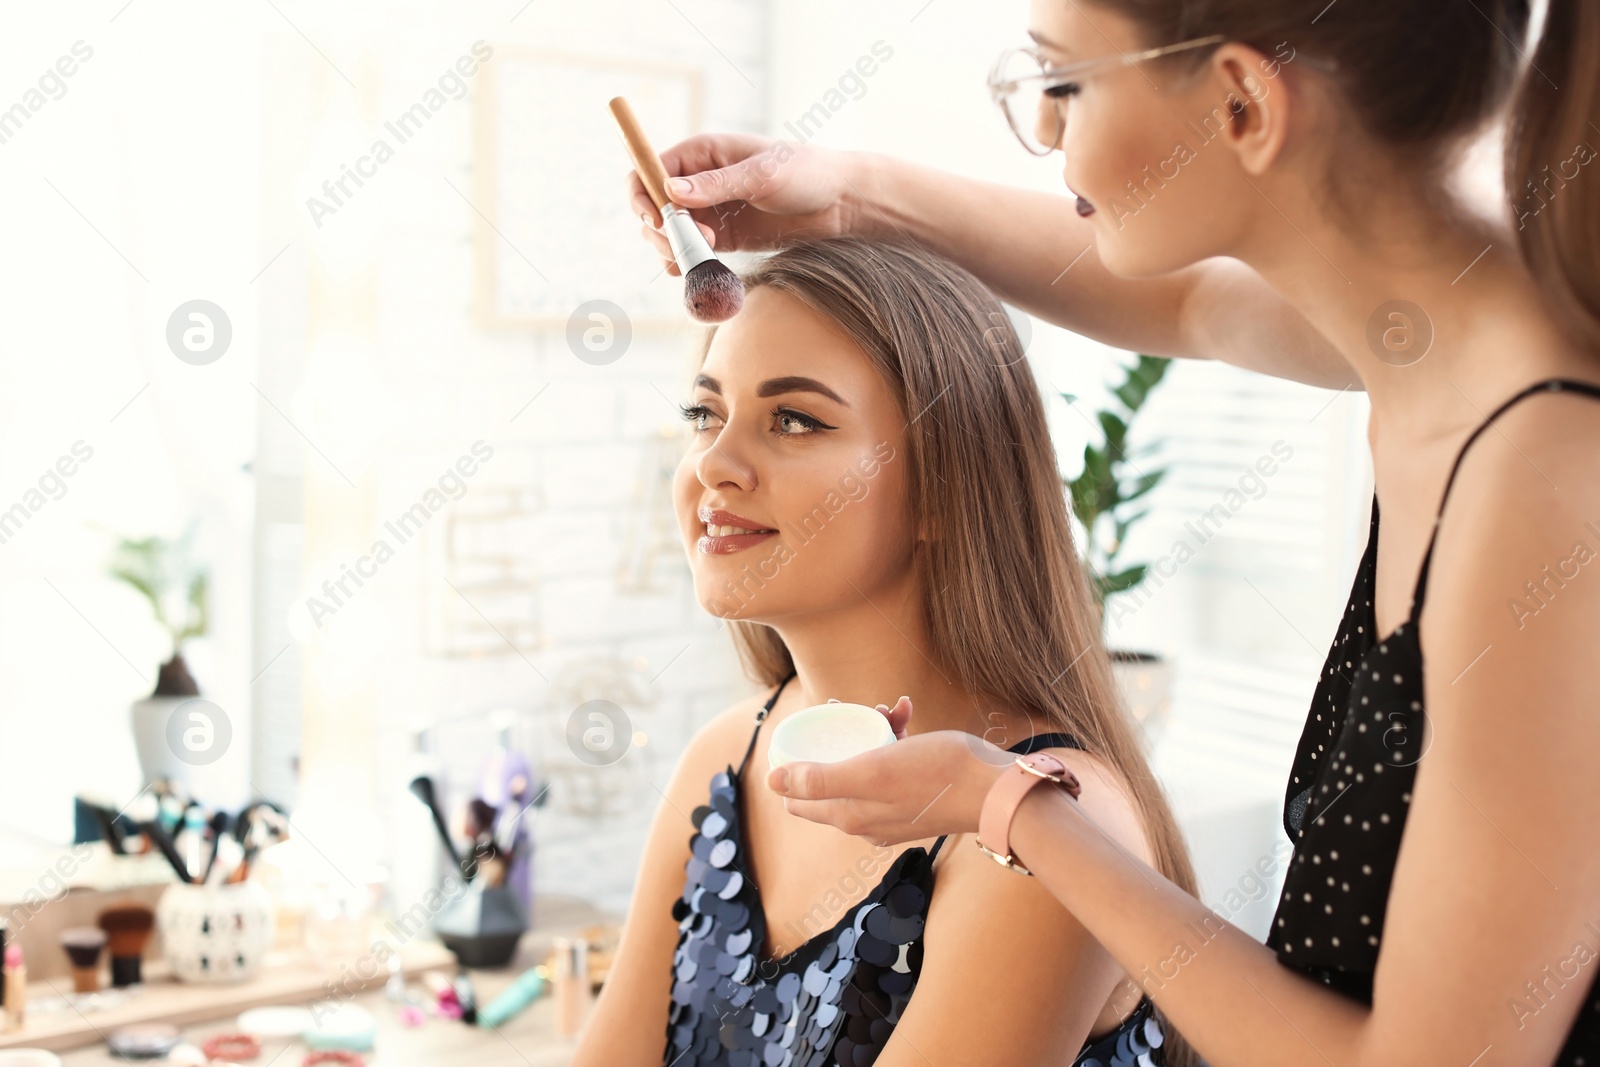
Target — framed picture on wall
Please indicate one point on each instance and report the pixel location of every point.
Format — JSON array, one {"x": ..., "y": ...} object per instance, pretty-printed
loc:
[{"x": 553, "y": 229}]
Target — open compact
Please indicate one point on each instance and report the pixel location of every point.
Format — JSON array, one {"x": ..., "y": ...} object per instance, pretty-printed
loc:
[{"x": 827, "y": 733}]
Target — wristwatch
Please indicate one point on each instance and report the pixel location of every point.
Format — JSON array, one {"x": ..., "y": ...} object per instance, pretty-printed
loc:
[{"x": 1000, "y": 803}]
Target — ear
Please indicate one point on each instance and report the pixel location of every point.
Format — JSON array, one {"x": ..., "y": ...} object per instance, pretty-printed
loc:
[{"x": 1258, "y": 102}]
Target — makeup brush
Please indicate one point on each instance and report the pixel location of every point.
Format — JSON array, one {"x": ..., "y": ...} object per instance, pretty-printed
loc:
[
  {"x": 127, "y": 928},
  {"x": 422, "y": 789},
  {"x": 83, "y": 945},
  {"x": 105, "y": 818},
  {"x": 711, "y": 291},
  {"x": 163, "y": 841},
  {"x": 217, "y": 828}
]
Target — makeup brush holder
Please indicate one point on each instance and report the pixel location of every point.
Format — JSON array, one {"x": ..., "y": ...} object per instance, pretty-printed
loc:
[
  {"x": 482, "y": 927},
  {"x": 215, "y": 933}
]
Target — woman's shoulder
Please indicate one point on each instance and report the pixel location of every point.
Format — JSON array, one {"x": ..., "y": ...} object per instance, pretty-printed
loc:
[
  {"x": 1522, "y": 508},
  {"x": 1065, "y": 978},
  {"x": 720, "y": 742},
  {"x": 1510, "y": 577}
]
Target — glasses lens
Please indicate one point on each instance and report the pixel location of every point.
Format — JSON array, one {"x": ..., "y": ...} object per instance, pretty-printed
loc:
[{"x": 1035, "y": 118}]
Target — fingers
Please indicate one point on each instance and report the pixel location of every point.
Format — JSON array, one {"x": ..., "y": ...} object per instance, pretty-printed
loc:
[
  {"x": 900, "y": 716},
  {"x": 828, "y": 812},
  {"x": 652, "y": 233},
  {"x": 805, "y": 781},
  {"x": 710, "y": 169},
  {"x": 712, "y": 187}
]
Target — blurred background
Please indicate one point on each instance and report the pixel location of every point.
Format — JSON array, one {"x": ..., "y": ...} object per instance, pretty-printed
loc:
[{"x": 296, "y": 294}]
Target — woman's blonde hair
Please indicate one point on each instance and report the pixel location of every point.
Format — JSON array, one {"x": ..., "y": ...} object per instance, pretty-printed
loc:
[{"x": 1009, "y": 609}]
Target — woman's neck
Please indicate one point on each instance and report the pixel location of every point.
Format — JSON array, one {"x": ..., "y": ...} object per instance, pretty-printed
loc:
[
  {"x": 874, "y": 653},
  {"x": 1379, "y": 288}
]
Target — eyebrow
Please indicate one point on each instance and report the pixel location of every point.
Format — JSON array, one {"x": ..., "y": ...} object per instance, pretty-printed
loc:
[
  {"x": 777, "y": 386},
  {"x": 1040, "y": 38}
]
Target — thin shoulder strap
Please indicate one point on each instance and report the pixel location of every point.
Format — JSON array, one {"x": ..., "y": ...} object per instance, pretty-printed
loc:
[
  {"x": 761, "y": 717},
  {"x": 1029, "y": 745},
  {"x": 1550, "y": 385}
]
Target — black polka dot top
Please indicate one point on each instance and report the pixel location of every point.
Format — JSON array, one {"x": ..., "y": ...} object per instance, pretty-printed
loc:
[
  {"x": 836, "y": 998},
  {"x": 1350, "y": 787}
]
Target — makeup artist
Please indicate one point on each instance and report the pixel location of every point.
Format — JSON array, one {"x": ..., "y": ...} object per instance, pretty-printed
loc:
[{"x": 1271, "y": 183}]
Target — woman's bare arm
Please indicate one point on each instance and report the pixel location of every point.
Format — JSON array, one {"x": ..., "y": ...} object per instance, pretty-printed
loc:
[
  {"x": 1031, "y": 248},
  {"x": 1008, "y": 976},
  {"x": 628, "y": 1027},
  {"x": 1036, "y": 252}
]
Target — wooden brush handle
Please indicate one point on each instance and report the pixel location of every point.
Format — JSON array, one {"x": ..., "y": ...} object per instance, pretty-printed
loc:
[{"x": 645, "y": 160}]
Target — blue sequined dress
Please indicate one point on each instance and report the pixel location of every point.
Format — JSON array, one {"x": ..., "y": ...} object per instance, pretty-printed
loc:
[{"x": 836, "y": 998}]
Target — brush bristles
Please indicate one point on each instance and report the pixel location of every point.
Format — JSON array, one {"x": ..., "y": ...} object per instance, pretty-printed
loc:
[
  {"x": 83, "y": 944},
  {"x": 712, "y": 292},
  {"x": 127, "y": 927}
]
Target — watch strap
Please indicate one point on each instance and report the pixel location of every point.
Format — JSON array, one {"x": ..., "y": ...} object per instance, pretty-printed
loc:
[{"x": 1005, "y": 796}]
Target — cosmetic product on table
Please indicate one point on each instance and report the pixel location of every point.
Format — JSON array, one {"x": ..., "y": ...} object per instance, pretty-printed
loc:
[
  {"x": 515, "y": 998},
  {"x": 143, "y": 1041},
  {"x": 127, "y": 929},
  {"x": 827, "y": 733},
  {"x": 572, "y": 992},
  {"x": 231, "y": 1047},
  {"x": 348, "y": 1027},
  {"x": 16, "y": 983},
  {"x": 275, "y": 1022},
  {"x": 83, "y": 946},
  {"x": 483, "y": 925},
  {"x": 711, "y": 291},
  {"x": 466, "y": 997}
]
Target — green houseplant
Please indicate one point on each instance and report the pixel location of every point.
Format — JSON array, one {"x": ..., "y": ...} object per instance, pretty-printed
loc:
[{"x": 1108, "y": 500}]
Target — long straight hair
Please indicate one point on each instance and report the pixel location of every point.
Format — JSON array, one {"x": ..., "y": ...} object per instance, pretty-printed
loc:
[{"x": 1007, "y": 604}]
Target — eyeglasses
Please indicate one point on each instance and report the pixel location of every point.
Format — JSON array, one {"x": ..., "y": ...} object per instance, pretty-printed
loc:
[{"x": 1023, "y": 83}]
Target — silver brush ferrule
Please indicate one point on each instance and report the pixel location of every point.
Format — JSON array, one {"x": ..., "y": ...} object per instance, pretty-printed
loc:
[{"x": 689, "y": 247}]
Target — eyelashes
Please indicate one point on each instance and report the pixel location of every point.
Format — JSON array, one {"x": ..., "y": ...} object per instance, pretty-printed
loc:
[
  {"x": 1062, "y": 91},
  {"x": 698, "y": 414},
  {"x": 695, "y": 413}
]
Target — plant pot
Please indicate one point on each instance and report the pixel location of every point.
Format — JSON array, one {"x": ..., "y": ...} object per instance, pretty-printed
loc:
[
  {"x": 217, "y": 933},
  {"x": 1144, "y": 681},
  {"x": 156, "y": 758},
  {"x": 174, "y": 686}
]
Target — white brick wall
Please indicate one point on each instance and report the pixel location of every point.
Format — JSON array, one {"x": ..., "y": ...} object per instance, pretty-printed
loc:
[{"x": 581, "y": 445}]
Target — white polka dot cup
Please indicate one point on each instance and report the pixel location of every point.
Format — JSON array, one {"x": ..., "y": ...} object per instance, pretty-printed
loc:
[{"x": 828, "y": 733}]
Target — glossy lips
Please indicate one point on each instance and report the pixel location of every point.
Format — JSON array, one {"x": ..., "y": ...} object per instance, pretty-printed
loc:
[
  {"x": 717, "y": 541},
  {"x": 835, "y": 1000},
  {"x": 1085, "y": 208}
]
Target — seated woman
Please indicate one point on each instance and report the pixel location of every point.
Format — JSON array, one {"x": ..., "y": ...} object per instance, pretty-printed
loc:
[{"x": 872, "y": 500}]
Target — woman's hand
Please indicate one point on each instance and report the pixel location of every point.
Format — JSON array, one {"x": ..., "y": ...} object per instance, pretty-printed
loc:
[
  {"x": 748, "y": 192},
  {"x": 920, "y": 786}
]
